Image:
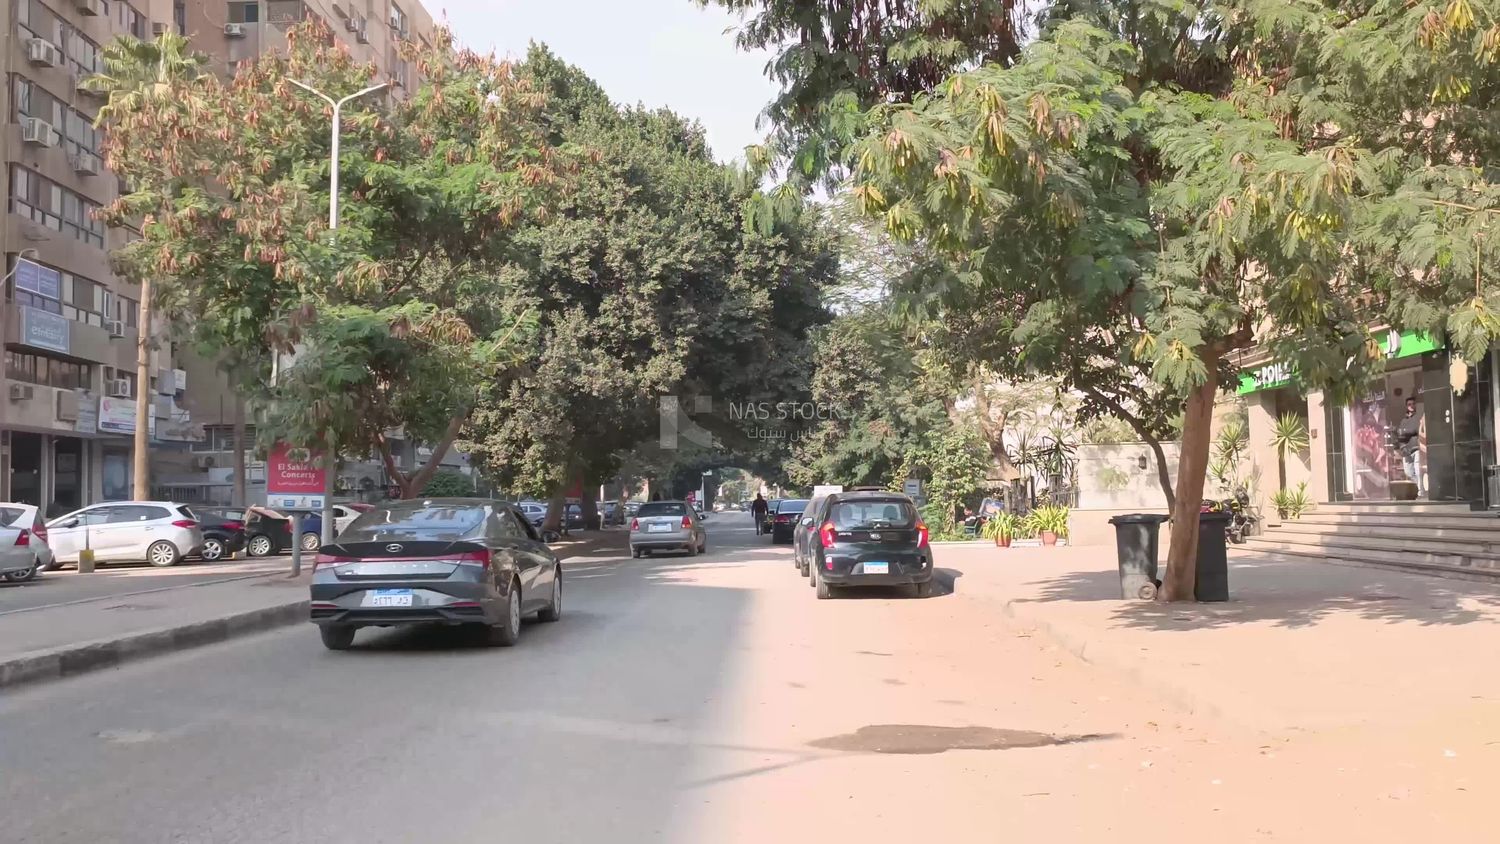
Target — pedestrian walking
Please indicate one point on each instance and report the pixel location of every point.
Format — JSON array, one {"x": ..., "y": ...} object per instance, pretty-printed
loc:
[
  {"x": 758, "y": 513},
  {"x": 1410, "y": 432}
]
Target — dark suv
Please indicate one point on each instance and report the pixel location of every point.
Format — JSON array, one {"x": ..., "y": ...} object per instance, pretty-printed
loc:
[
  {"x": 784, "y": 520},
  {"x": 870, "y": 539}
]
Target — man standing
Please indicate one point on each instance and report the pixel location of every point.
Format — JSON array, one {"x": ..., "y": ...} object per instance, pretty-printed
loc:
[
  {"x": 758, "y": 513},
  {"x": 1410, "y": 432}
]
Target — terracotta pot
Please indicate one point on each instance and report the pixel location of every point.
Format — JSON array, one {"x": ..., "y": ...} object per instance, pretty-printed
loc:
[
  {"x": 1002, "y": 542},
  {"x": 1049, "y": 538}
]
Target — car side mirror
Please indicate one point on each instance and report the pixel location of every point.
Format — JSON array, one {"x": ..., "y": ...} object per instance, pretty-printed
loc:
[
  {"x": 70, "y": 523},
  {"x": 807, "y": 522}
]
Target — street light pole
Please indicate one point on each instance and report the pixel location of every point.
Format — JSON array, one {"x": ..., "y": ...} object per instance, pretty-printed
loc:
[{"x": 330, "y": 455}]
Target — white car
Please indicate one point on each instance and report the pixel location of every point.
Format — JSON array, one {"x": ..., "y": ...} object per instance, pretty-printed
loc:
[
  {"x": 159, "y": 532},
  {"x": 343, "y": 516},
  {"x": 23, "y": 543}
]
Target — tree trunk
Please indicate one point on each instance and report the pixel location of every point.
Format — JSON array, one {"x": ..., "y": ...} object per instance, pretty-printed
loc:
[
  {"x": 590, "y": 505},
  {"x": 553, "y": 521},
  {"x": 412, "y": 483},
  {"x": 142, "y": 480},
  {"x": 1192, "y": 470},
  {"x": 238, "y": 494}
]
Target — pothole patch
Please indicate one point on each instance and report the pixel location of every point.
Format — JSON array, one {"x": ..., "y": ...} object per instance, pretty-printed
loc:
[{"x": 923, "y": 739}]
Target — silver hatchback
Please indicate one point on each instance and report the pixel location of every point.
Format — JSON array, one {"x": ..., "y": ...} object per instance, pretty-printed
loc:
[
  {"x": 667, "y": 526},
  {"x": 435, "y": 561}
]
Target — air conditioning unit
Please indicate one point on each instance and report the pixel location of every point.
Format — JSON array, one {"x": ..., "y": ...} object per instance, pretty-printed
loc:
[
  {"x": 41, "y": 51},
  {"x": 115, "y": 327},
  {"x": 400, "y": 77},
  {"x": 86, "y": 164},
  {"x": 87, "y": 7},
  {"x": 159, "y": 29},
  {"x": 119, "y": 388},
  {"x": 37, "y": 131},
  {"x": 203, "y": 461},
  {"x": 21, "y": 392},
  {"x": 351, "y": 24},
  {"x": 234, "y": 30},
  {"x": 362, "y": 34}
]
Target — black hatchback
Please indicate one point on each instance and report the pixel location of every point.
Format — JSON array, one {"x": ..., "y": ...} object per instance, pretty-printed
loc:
[{"x": 871, "y": 539}]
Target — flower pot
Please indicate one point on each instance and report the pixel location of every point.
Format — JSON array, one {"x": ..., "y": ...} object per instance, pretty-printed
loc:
[
  {"x": 1049, "y": 538},
  {"x": 1002, "y": 542}
]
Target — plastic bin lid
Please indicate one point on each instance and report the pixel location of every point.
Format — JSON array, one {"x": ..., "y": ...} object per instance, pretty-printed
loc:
[
  {"x": 1220, "y": 516},
  {"x": 1138, "y": 519}
]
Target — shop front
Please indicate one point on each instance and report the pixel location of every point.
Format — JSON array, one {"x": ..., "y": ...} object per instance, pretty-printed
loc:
[{"x": 1423, "y": 430}]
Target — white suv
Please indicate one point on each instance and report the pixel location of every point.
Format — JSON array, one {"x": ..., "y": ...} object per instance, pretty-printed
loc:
[
  {"x": 23, "y": 543},
  {"x": 159, "y": 532}
]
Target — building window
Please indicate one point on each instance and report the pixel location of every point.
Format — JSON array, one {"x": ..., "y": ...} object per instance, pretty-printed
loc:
[
  {"x": 221, "y": 438},
  {"x": 48, "y": 371},
  {"x": 398, "y": 20},
  {"x": 244, "y": 12},
  {"x": 83, "y": 300},
  {"x": 34, "y": 196},
  {"x": 73, "y": 129},
  {"x": 179, "y": 17},
  {"x": 132, "y": 21}
]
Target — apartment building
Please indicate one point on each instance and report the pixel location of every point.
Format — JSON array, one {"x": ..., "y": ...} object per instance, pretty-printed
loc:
[
  {"x": 229, "y": 33},
  {"x": 68, "y": 325}
]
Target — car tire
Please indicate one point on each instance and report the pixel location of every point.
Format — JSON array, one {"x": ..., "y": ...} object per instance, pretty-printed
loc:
[
  {"x": 923, "y": 589},
  {"x": 260, "y": 545},
  {"x": 553, "y": 610},
  {"x": 703, "y": 546},
  {"x": 163, "y": 554},
  {"x": 508, "y": 631},
  {"x": 337, "y": 637},
  {"x": 824, "y": 590},
  {"x": 213, "y": 550},
  {"x": 21, "y": 576},
  {"x": 806, "y": 567},
  {"x": 635, "y": 553},
  {"x": 311, "y": 541}
]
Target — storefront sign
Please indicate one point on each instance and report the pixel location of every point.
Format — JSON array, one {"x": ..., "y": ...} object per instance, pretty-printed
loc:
[
  {"x": 88, "y": 416},
  {"x": 35, "y": 278},
  {"x": 43, "y": 330},
  {"x": 117, "y": 416},
  {"x": 1396, "y": 344},
  {"x": 295, "y": 484}
]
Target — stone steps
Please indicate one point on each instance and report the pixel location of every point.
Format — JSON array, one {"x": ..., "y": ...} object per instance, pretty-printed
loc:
[{"x": 1428, "y": 537}]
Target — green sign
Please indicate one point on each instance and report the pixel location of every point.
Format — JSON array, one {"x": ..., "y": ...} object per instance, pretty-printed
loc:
[{"x": 1397, "y": 344}]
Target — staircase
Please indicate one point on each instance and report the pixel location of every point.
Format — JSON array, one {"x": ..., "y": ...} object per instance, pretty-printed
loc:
[{"x": 1434, "y": 538}]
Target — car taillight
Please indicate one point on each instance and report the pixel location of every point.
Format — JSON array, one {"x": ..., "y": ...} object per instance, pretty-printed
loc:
[
  {"x": 470, "y": 558},
  {"x": 687, "y": 522},
  {"x": 921, "y": 535},
  {"x": 781, "y": 520},
  {"x": 23, "y": 538},
  {"x": 185, "y": 523},
  {"x": 234, "y": 525},
  {"x": 827, "y": 534},
  {"x": 330, "y": 560},
  {"x": 41, "y": 533},
  {"x": 635, "y": 524}
]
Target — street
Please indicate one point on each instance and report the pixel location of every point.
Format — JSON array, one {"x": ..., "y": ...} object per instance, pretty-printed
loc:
[{"x": 682, "y": 700}]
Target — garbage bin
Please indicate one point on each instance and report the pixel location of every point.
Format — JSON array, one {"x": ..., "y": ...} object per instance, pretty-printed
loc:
[
  {"x": 1136, "y": 536},
  {"x": 1212, "y": 581}
]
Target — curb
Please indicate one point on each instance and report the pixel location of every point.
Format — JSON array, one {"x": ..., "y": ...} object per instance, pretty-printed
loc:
[
  {"x": 79, "y": 659},
  {"x": 1180, "y": 698}
]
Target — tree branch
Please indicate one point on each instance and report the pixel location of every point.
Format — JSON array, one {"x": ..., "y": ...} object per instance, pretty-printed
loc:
[
  {"x": 420, "y": 478},
  {"x": 1163, "y": 475},
  {"x": 384, "y": 447}
]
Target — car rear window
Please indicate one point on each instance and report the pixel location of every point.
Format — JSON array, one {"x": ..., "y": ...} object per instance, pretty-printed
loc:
[
  {"x": 416, "y": 521},
  {"x": 793, "y": 505},
  {"x": 8, "y": 515},
  {"x": 663, "y": 508},
  {"x": 886, "y": 513}
]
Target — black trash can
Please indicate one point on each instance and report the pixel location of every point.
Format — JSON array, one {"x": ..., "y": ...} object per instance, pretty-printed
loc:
[
  {"x": 1136, "y": 540},
  {"x": 1212, "y": 581}
]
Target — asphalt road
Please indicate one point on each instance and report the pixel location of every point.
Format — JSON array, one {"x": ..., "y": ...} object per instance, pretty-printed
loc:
[
  {"x": 116, "y": 579},
  {"x": 707, "y": 699}
]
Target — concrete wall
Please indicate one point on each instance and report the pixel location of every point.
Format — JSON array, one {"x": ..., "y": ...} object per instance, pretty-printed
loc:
[{"x": 1111, "y": 477}]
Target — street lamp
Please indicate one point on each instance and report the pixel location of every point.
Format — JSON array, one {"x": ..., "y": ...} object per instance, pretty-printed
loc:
[{"x": 331, "y": 458}]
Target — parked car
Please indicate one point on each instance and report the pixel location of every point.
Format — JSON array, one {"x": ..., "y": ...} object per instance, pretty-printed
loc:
[
  {"x": 632, "y": 508},
  {"x": 788, "y": 512},
  {"x": 871, "y": 539},
  {"x": 345, "y": 514},
  {"x": 223, "y": 532},
  {"x": 24, "y": 551},
  {"x": 667, "y": 526},
  {"x": 573, "y": 517},
  {"x": 611, "y": 513},
  {"x": 804, "y": 531},
  {"x": 770, "y": 516},
  {"x": 534, "y": 512},
  {"x": 450, "y": 561},
  {"x": 161, "y": 533},
  {"x": 266, "y": 535}
]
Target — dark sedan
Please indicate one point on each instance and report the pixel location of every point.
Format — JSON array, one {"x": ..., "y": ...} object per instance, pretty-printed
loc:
[
  {"x": 871, "y": 539},
  {"x": 784, "y": 520},
  {"x": 452, "y": 561},
  {"x": 223, "y": 532},
  {"x": 805, "y": 533}
]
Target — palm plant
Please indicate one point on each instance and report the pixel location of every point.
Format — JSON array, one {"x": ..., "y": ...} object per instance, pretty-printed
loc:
[{"x": 1289, "y": 435}]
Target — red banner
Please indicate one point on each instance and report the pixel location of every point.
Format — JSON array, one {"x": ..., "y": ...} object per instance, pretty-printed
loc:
[{"x": 285, "y": 476}]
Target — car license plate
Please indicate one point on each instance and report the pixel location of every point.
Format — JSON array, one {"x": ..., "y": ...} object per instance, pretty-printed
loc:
[
  {"x": 390, "y": 597},
  {"x": 877, "y": 568},
  {"x": 658, "y": 528}
]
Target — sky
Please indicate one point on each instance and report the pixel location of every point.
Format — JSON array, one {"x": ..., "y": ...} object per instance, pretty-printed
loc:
[{"x": 653, "y": 52}]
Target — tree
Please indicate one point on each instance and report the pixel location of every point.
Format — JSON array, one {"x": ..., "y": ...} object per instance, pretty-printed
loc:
[
  {"x": 1139, "y": 205},
  {"x": 409, "y": 311}
]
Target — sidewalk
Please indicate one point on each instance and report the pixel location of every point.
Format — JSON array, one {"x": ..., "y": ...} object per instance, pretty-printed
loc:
[
  {"x": 1300, "y": 645},
  {"x": 117, "y": 624}
]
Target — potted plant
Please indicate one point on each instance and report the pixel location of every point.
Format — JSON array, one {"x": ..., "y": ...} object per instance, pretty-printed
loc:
[
  {"x": 1291, "y": 503},
  {"x": 1002, "y": 528},
  {"x": 1050, "y": 521}
]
